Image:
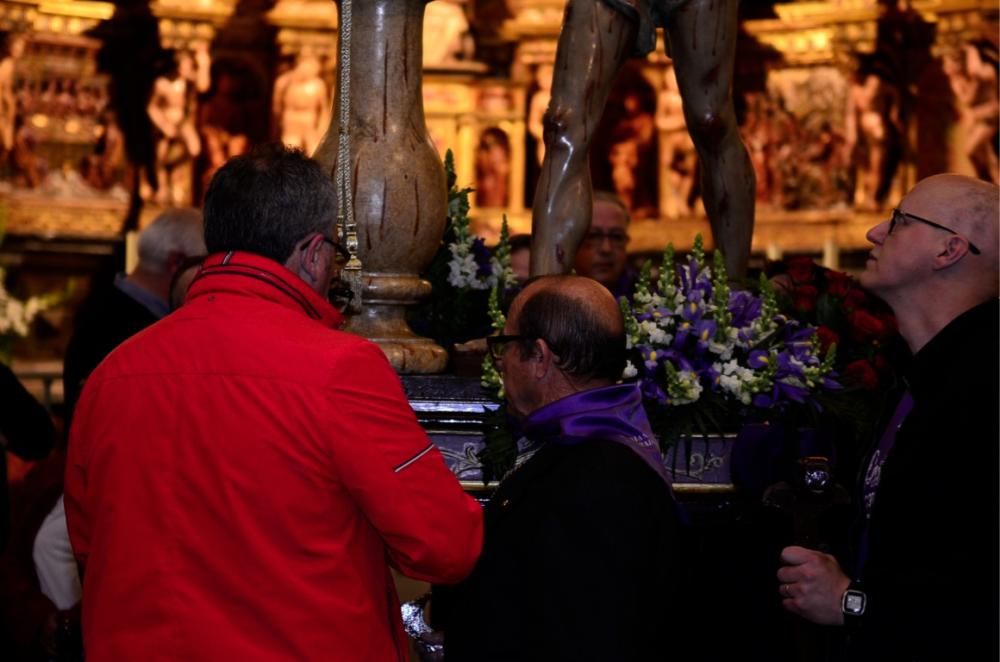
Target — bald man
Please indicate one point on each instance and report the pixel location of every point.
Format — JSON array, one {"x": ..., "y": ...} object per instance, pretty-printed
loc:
[
  {"x": 580, "y": 556},
  {"x": 922, "y": 583}
]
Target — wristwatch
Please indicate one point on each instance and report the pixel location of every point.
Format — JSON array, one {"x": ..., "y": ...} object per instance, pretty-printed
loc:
[{"x": 853, "y": 603}]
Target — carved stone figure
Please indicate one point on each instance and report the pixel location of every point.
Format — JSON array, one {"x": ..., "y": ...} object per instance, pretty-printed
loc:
[
  {"x": 29, "y": 168},
  {"x": 596, "y": 39},
  {"x": 105, "y": 167},
  {"x": 173, "y": 110},
  {"x": 302, "y": 104},
  {"x": 493, "y": 169},
  {"x": 972, "y": 73},
  {"x": 630, "y": 148},
  {"x": 446, "y": 33},
  {"x": 677, "y": 153},
  {"x": 536, "y": 108},
  {"x": 873, "y": 130},
  {"x": 8, "y": 100},
  {"x": 224, "y": 123}
]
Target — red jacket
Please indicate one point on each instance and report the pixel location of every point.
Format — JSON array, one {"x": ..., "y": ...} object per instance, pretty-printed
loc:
[{"x": 241, "y": 476}]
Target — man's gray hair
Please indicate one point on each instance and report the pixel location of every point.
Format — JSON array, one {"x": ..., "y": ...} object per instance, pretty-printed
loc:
[{"x": 175, "y": 231}]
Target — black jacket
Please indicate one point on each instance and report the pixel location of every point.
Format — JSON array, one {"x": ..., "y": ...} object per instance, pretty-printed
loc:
[
  {"x": 931, "y": 576},
  {"x": 579, "y": 562},
  {"x": 107, "y": 319}
]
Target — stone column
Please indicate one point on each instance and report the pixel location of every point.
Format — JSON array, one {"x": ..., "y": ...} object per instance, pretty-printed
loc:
[{"x": 400, "y": 196}]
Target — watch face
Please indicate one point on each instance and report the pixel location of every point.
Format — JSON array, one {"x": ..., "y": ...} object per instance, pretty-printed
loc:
[{"x": 854, "y": 602}]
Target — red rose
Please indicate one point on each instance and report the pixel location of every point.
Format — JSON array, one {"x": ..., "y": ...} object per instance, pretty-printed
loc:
[
  {"x": 866, "y": 327},
  {"x": 801, "y": 269},
  {"x": 880, "y": 362},
  {"x": 854, "y": 299},
  {"x": 888, "y": 322},
  {"x": 827, "y": 337},
  {"x": 861, "y": 373},
  {"x": 837, "y": 283},
  {"x": 804, "y": 298}
]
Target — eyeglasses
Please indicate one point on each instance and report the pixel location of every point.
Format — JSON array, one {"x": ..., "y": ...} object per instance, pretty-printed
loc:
[
  {"x": 900, "y": 216},
  {"x": 617, "y": 238},
  {"x": 498, "y": 344},
  {"x": 343, "y": 255}
]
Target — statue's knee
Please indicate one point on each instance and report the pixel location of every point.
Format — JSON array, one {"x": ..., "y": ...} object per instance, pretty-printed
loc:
[
  {"x": 561, "y": 127},
  {"x": 709, "y": 128}
]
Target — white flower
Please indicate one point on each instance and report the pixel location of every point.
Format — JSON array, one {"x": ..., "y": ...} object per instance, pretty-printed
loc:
[
  {"x": 723, "y": 350},
  {"x": 686, "y": 389},
  {"x": 630, "y": 371},
  {"x": 16, "y": 316},
  {"x": 654, "y": 333}
]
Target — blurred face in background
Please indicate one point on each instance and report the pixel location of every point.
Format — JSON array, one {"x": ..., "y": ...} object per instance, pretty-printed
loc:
[
  {"x": 602, "y": 254},
  {"x": 520, "y": 262}
]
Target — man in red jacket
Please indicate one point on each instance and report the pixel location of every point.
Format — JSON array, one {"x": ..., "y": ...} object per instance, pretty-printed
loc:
[{"x": 241, "y": 475}]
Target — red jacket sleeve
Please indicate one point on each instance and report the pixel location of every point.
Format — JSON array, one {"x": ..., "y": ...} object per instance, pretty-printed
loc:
[
  {"x": 75, "y": 487},
  {"x": 432, "y": 529}
]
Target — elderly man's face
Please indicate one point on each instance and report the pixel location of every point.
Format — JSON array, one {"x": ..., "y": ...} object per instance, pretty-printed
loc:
[
  {"x": 901, "y": 261},
  {"x": 601, "y": 255},
  {"x": 519, "y": 383}
]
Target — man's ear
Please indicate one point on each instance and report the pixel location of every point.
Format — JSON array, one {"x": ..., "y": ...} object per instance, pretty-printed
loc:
[
  {"x": 544, "y": 359},
  {"x": 299, "y": 264},
  {"x": 955, "y": 248},
  {"x": 174, "y": 260}
]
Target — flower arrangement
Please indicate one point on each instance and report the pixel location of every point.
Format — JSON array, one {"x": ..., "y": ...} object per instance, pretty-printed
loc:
[
  {"x": 861, "y": 331},
  {"x": 861, "y": 327},
  {"x": 710, "y": 358},
  {"x": 462, "y": 274},
  {"x": 16, "y": 315}
]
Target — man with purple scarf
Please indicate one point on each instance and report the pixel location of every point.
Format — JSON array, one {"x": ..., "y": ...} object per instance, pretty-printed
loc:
[{"x": 580, "y": 559}]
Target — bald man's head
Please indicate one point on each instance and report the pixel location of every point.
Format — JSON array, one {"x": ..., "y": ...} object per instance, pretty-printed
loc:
[
  {"x": 936, "y": 257},
  {"x": 971, "y": 209},
  {"x": 580, "y": 321},
  {"x": 973, "y": 206}
]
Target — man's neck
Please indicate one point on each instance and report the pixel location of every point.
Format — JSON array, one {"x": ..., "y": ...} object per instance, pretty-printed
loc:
[
  {"x": 567, "y": 385},
  {"x": 920, "y": 320},
  {"x": 156, "y": 284}
]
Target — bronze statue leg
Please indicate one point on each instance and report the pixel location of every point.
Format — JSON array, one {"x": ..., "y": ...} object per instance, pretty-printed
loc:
[
  {"x": 594, "y": 43},
  {"x": 703, "y": 45}
]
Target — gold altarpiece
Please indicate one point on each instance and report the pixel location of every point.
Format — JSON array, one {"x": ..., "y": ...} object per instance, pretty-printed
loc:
[{"x": 482, "y": 97}]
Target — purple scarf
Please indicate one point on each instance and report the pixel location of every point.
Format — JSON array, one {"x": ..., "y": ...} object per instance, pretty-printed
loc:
[{"x": 611, "y": 413}]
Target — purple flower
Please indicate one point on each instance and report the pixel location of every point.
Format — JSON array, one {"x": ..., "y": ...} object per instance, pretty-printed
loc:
[
  {"x": 704, "y": 332},
  {"x": 790, "y": 391},
  {"x": 710, "y": 376},
  {"x": 482, "y": 256},
  {"x": 652, "y": 391},
  {"x": 758, "y": 359},
  {"x": 678, "y": 359},
  {"x": 744, "y": 307},
  {"x": 651, "y": 358},
  {"x": 787, "y": 367}
]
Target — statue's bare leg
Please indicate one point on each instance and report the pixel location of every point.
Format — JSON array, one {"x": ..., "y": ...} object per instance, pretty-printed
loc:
[
  {"x": 594, "y": 43},
  {"x": 979, "y": 150},
  {"x": 703, "y": 45}
]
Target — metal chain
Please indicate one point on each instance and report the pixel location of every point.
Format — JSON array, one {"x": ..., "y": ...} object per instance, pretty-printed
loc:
[{"x": 342, "y": 172}]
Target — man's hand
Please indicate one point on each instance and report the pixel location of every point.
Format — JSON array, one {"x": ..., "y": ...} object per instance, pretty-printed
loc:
[{"x": 812, "y": 584}]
